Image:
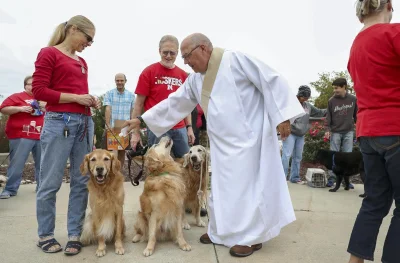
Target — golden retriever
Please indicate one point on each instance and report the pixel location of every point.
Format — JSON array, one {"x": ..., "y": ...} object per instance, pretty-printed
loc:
[
  {"x": 162, "y": 200},
  {"x": 195, "y": 172},
  {"x": 105, "y": 222}
]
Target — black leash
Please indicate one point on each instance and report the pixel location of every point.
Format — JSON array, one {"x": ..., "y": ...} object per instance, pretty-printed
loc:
[{"x": 134, "y": 180}]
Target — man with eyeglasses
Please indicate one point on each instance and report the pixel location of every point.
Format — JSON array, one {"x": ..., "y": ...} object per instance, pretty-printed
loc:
[
  {"x": 23, "y": 130},
  {"x": 244, "y": 101},
  {"x": 155, "y": 84}
]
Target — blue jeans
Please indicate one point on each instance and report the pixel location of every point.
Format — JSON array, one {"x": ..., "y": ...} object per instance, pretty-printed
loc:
[
  {"x": 292, "y": 146},
  {"x": 382, "y": 185},
  {"x": 340, "y": 142},
  {"x": 178, "y": 136},
  {"x": 19, "y": 153},
  {"x": 55, "y": 151}
]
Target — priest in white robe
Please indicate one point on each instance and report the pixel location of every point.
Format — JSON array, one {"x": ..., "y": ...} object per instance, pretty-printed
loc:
[{"x": 249, "y": 201}]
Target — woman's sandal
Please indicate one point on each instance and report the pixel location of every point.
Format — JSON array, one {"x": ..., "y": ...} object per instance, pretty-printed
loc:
[
  {"x": 73, "y": 244},
  {"x": 47, "y": 244}
]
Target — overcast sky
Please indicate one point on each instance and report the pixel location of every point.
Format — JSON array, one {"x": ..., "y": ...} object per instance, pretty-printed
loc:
[{"x": 299, "y": 38}]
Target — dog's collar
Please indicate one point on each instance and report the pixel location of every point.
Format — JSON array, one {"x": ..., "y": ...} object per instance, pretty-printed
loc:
[{"x": 160, "y": 174}]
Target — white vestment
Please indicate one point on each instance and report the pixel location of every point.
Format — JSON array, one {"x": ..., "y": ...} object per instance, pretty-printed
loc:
[{"x": 249, "y": 201}]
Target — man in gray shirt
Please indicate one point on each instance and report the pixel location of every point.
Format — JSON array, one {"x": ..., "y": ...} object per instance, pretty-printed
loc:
[
  {"x": 340, "y": 119},
  {"x": 293, "y": 145}
]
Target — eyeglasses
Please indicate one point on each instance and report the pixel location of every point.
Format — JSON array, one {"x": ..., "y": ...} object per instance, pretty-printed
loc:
[
  {"x": 189, "y": 54},
  {"x": 166, "y": 52},
  {"x": 88, "y": 38}
]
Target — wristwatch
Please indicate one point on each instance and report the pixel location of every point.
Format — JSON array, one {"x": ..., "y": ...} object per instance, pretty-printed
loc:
[{"x": 189, "y": 125}]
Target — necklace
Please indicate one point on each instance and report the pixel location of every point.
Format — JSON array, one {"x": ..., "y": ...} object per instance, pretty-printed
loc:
[
  {"x": 83, "y": 70},
  {"x": 75, "y": 57}
]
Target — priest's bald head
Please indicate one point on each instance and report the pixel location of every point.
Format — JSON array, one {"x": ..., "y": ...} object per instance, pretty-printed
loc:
[{"x": 196, "y": 52}]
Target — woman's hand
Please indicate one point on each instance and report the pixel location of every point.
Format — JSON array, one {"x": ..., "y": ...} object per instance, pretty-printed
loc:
[{"x": 86, "y": 100}]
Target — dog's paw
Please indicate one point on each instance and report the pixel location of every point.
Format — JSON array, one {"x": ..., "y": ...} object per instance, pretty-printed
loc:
[
  {"x": 101, "y": 252},
  {"x": 119, "y": 250},
  {"x": 332, "y": 190},
  {"x": 186, "y": 247},
  {"x": 186, "y": 226},
  {"x": 136, "y": 238},
  {"x": 148, "y": 252},
  {"x": 201, "y": 223}
]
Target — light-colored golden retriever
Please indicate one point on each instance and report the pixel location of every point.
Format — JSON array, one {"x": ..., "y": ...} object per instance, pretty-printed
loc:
[
  {"x": 105, "y": 222},
  {"x": 195, "y": 170},
  {"x": 162, "y": 200}
]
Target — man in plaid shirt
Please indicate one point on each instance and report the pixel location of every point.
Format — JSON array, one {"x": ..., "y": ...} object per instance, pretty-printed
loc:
[{"x": 119, "y": 105}]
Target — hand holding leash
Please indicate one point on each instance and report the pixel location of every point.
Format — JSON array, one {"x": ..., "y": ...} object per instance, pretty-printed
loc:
[{"x": 135, "y": 139}]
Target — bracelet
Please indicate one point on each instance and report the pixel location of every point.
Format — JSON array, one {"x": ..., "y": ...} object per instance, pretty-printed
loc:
[{"x": 189, "y": 125}]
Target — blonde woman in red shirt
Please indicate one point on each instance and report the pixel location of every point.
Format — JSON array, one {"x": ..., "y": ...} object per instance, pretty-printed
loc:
[
  {"x": 61, "y": 79},
  {"x": 374, "y": 66}
]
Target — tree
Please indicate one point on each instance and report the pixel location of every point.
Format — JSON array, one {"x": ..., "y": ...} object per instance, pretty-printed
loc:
[{"x": 324, "y": 86}]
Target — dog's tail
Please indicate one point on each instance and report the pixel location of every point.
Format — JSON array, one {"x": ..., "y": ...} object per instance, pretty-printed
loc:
[{"x": 87, "y": 236}]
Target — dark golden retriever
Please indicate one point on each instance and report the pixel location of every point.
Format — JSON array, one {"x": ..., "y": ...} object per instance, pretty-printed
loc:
[
  {"x": 105, "y": 222},
  {"x": 162, "y": 200}
]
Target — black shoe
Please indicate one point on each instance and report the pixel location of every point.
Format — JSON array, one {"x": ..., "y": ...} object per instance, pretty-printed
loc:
[{"x": 203, "y": 212}]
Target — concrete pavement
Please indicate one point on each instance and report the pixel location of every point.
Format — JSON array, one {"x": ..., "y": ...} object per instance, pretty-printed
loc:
[{"x": 320, "y": 234}]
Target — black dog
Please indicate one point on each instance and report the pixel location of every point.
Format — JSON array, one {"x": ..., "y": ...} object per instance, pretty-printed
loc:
[{"x": 343, "y": 164}]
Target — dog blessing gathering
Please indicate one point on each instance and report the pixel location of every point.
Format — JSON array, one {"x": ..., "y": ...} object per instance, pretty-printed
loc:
[{"x": 220, "y": 144}]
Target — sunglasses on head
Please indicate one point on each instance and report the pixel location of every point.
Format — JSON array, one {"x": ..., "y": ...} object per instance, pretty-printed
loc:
[
  {"x": 166, "y": 52},
  {"x": 88, "y": 38}
]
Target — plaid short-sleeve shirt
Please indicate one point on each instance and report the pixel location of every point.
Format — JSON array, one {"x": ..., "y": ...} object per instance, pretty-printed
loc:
[{"x": 121, "y": 104}]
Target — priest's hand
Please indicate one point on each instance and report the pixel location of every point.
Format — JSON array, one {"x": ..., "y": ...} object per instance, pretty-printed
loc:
[
  {"x": 135, "y": 139},
  {"x": 132, "y": 124},
  {"x": 284, "y": 129}
]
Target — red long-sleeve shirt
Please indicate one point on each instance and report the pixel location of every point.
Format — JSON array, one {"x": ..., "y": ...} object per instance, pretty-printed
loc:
[
  {"x": 56, "y": 73},
  {"x": 374, "y": 66}
]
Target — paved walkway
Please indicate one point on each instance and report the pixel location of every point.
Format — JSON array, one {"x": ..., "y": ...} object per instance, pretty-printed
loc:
[{"x": 319, "y": 235}]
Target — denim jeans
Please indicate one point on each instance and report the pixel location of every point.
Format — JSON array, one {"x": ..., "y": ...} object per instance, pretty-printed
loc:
[
  {"x": 178, "y": 136},
  {"x": 292, "y": 147},
  {"x": 340, "y": 142},
  {"x": 55, "y": 151},
  {"x": 382, "y": 185},
  {"x": 19, "y": 153}
]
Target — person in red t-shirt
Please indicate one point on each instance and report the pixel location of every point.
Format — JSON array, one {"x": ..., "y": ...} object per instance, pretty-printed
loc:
[
  {"x": 61, "y": 79},
  {"x": 23, "y": 132},
  {"x": 155, "y": 83},
  {"x": 374, "y": 66},
  {"x": 198, "y": 123}
]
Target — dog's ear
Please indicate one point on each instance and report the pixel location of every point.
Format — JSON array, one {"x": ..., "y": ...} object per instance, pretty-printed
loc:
[
  {"x": 84, "y": 168},
  {"x": 115, "y": 164},
  {"x": 186, "y": 159}
]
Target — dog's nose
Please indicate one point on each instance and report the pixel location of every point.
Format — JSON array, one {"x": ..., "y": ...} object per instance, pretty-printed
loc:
[
  {"x": 194, "y": 158},
  {"x": 100, "y": 170}
]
